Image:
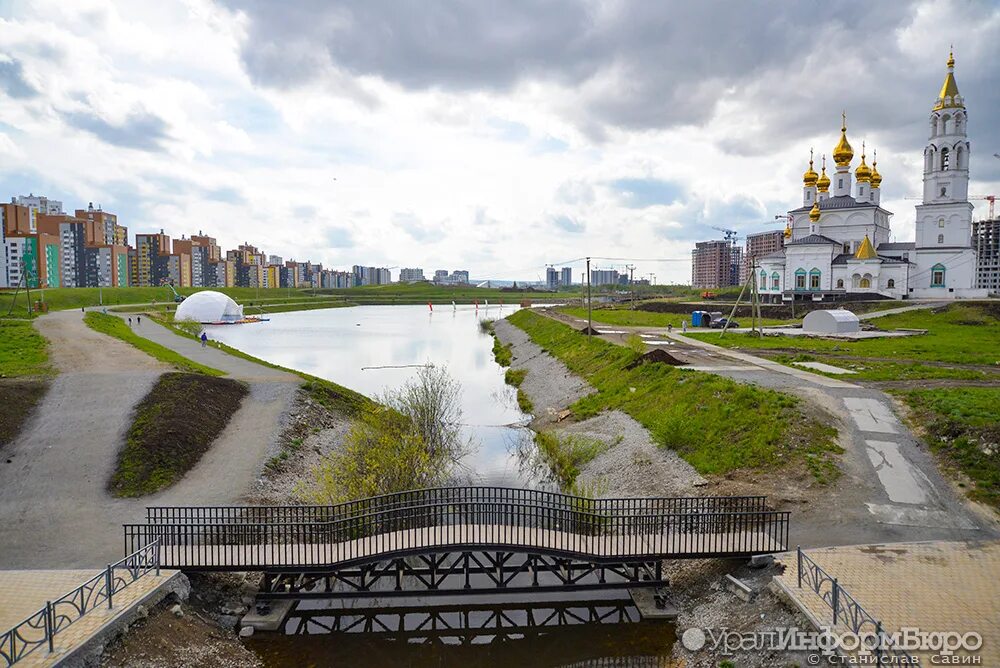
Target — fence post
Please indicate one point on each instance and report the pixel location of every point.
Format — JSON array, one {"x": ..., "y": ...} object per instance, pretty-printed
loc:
[
  {"x": 878, "y": 643},
  {"x": 108, "y": 581},
  {"x": 49, "y": 630},
  {"x": 836, "y": 600},
  {"x": 156, "y": 556},
  {"x": 798, "y": 555}
]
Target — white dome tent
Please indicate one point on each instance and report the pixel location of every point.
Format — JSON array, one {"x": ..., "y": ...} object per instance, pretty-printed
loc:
[{"x": 209, "y": 306}]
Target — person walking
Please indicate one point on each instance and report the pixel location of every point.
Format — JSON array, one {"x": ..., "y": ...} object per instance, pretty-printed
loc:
[
  {"x": 204, "y": 339},
  {"x": 138, "y": 319},
  {"x": 130, "y": 321}
]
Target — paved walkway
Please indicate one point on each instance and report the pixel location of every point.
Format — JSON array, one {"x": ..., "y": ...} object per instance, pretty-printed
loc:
[
  {"x": 938, "y": 586},
  {"x": 892, "y": 489},
  {"x": 23, "y": 593},
  {"x": 54, "y": 508}
]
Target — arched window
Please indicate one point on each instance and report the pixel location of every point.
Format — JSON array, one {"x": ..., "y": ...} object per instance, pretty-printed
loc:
[
  {"x": 891, "y": 283},
  {"x": 945, "y": 159},
  {"x": 814, "y": 277},
  {"x": 937, "y": 276},
  {"x": 840, "y": 284},
  {"x": 800, "y": 279},
  {"x": 865, "y": 283},
  {"x": 763, "y": 280},
  {"x": 775, "y": 281},
  {"x": 940, "y": 238},
  {"x": 941, "y": 222}
]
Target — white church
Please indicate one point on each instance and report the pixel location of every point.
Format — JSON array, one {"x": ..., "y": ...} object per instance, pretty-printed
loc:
[{"x": 837, "y": 245}]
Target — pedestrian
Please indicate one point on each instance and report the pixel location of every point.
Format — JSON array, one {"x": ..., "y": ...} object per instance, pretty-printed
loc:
[
  {"x": 83, "y": 309},
  {"x": 105, "y": 310},
  {"x": 204, "y": 339},
  {"x": 684, "y": 326},
  {"x": 670, "y": 327},
  {"x": 138, "y": 319},
  {"x": 130, "y": 321}
]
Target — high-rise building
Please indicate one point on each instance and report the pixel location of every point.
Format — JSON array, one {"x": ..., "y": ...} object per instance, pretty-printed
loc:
[
  {"x": 371, "y": 275},
  {"x": 716, "y": 264},
  {"x": 411, "y": 275},
  {"x": 551, "y": 278},
  {"x": 40, "y": 204},
  {"x": 604, "y": 276},
  {"x": 986, "y": 240},
  {"x": 566, "y": 276},
  {"x": 152, "y": 263},
  {"x": 104, "y": 225}
]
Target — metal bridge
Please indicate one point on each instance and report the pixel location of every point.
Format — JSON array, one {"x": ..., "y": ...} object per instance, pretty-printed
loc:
[{"x": 458, "y": 540}]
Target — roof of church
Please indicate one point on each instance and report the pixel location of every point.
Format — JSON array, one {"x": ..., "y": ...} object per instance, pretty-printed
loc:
[
  {"x": 897, "y": 245},
  {"x": 844, "y": 257},
  {"x": 813, "y": 239},
  {"x": 837, "y": 202}
]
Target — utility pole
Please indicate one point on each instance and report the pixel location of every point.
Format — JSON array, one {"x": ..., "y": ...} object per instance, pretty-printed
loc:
[
  {"x": 631, "y": 283},
  {"x": 590, "y": 318}
]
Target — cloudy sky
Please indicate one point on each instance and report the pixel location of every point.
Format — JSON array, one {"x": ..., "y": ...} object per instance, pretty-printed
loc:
[{"x": 494, "y": 136}]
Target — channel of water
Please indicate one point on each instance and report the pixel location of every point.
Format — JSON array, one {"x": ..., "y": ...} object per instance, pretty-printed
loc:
[{"x": 374, "y": 348}]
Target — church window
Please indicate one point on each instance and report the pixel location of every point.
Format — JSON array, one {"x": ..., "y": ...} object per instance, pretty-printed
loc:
[
  {"x": 800, "y": 279},
  {"x": 840, "y": 284},
  {"x": 847, "y": 247},
  {"x": 940, "y": 222},
  {"x": 775, "y": 281},
  {"x": 937, "y": 276},
  {"x": 866, "y": 283},
  {"x": 945, "y": 160},
  {"x": 840, "y": 183},
  {"x": 891, "y": 284},
  {"x": 940, "y": 238},
  {"x": 944, "y": 191},
  {"x": 814, "y": 277},
  {"x": 763, "y": 280}
]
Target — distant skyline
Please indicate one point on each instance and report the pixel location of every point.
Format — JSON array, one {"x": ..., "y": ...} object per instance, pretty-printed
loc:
[{"x": 494, "y": 137}]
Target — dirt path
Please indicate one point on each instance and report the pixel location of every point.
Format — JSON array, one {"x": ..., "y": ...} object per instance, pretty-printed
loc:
[{"x": 54, "y": 509}]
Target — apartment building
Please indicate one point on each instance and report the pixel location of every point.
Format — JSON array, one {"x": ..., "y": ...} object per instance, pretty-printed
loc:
[
  {"x": 716, "y": 264},
  {"x": 986, "y": 241}
]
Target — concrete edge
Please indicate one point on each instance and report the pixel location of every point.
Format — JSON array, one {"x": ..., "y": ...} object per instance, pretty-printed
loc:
[
  {"x": 88, "y": 653},
  {"x": 783, "y": 592}
]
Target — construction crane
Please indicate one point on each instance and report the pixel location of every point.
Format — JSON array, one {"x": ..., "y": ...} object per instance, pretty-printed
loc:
[
  {"x": 729, "y": 234},
  {"x": 178, "y": 298},
  {"x": 987, "y": 198}
]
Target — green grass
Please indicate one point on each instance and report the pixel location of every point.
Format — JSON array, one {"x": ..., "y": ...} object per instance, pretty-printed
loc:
[
  {"x": 716, "y": 424},
  {"x": 958, "y": 333},
  {"x": 114, "y": 326},
  {"x": 624, "y": 317},
  {"x": 23, "y": 351},
  {"x": 172, "y": 427},
  {"x": 879, "y": 370},
  {"x": 515, "y": 376},
  {"x": 566, "y": 455},
  {"x": 962, "y": 428}
]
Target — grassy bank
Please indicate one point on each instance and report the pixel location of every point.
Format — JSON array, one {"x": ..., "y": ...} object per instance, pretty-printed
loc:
[
  {"x": 625, "y": 317},
  {"x": 958, "y": 333},
  {"x": 566, "y": 455},
  {"x": 716, "y": 424},
  {"x": 961, "y": 427},
  {"x": 173, "y": 426},
  {"x": 18, "y": 398},
  {"x": 114, "y": 326},
  {"x": 23, "y": 351}
]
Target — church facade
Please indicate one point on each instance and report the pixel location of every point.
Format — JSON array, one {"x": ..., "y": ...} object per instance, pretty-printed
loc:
[{"x": 837, "y": 243}]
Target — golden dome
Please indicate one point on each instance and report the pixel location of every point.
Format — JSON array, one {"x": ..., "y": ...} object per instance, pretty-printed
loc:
[
  {"x": 810, "y": 176},
  {"x": 863, "y": 173},
  {"x": 814, "y": 212},
  {"x": 823, "y": 183},
  {"x": 949, "y": 95},
  {"x": 842, "y": 152},
  {"x": 876, "y": 177}
]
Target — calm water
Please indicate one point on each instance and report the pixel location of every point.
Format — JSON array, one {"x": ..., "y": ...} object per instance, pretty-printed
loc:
[{"x": 346, "y": 345}]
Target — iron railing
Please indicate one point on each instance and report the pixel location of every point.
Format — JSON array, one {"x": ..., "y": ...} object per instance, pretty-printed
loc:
[
  {"x": 399, "y": 500},
  {"x": 552, "y": 523},
  {"x": 847, "y": 611},
  {"x": 41, "y": 627}
]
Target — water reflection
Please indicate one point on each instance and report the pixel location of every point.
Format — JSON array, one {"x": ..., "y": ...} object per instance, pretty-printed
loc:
[
  {"x": 604, "y": 632},
  {"x": 374, "y": 348}
]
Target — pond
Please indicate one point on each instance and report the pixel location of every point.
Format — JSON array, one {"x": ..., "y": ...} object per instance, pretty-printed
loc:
[{"x": 375, "y": 348}]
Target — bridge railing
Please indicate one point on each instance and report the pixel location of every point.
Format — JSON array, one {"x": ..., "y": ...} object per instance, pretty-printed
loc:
[
  {"x": 40, "y": 628},
  {"x": 383, "y": 533},
  {"x": 400, "y": 500}
]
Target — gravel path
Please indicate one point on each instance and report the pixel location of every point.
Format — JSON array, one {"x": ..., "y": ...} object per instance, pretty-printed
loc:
[
  {"x": 54, "y": 509},
  {"x": 634, "y": 465}
]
